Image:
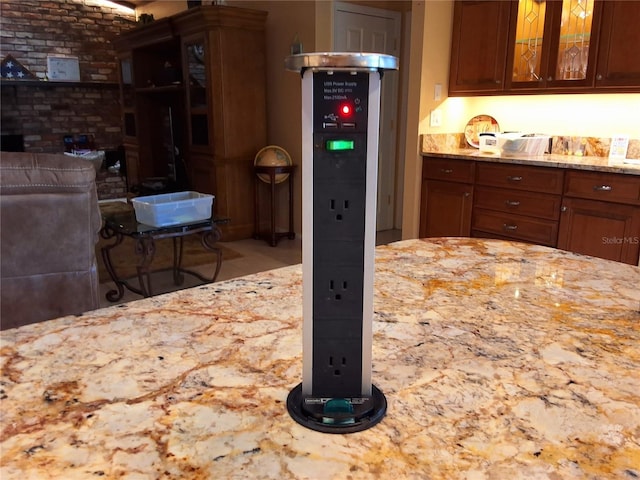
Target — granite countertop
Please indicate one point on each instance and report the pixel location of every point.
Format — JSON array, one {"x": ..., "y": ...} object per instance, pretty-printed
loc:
[
  {"x": 596, "y": 164},
  {"x": 442, "y": 149},
  {"x": 498, "y": 360}
]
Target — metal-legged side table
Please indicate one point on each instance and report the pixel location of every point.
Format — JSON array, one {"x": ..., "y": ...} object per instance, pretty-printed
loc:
[{"x": 124, "y": 225}]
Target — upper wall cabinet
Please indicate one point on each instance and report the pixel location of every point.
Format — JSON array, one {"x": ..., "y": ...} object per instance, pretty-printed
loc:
[
  {"x": 479, "y": 46},
  {"x": 618, "y": 63},
  {"x": 552, "y": 46}
]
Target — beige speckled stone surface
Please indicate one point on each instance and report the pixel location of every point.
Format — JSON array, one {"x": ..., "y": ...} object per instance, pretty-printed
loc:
[
  {"x": 595, "y": 158},
  {"x": 498, "y": 360}
]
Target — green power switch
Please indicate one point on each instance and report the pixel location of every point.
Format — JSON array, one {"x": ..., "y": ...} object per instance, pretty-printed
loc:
[{"x": 339, "y": 145}]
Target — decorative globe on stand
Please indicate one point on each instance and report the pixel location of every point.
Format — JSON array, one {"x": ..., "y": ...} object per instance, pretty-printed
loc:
[{"x": 273, "y": 156}]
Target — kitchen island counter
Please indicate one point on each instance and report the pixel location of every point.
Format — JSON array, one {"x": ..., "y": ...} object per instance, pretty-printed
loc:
[{"x": 497, "y": 359}]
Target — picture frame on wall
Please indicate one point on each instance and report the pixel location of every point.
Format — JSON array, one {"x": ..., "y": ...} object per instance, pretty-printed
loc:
[{"x": 63, "y": 69}]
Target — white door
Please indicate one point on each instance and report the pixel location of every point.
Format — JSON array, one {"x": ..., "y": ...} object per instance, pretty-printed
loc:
[{"x": 366, "y": 29}]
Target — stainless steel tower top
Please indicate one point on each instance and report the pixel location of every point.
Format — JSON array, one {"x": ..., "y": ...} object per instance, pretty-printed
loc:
[{"x": 341, "y": 60}]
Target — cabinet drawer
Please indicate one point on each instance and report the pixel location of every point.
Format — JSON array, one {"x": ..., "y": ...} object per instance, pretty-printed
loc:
[
  {"x": 448, "y": 170},
  {"x": 540, "y": 205},
  {"x": 609, "y": 187},
  {"x": 543, "y": 232},
  {"x": 535, "y": 179}
]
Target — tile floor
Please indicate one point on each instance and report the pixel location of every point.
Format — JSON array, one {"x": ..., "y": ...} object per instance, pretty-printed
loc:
[{"x": 257, "y": 256}]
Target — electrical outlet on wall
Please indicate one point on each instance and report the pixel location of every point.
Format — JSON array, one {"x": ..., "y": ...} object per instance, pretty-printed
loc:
[
  {"x": 437, "y": 92},
  {"x": 436, "y": 118}
]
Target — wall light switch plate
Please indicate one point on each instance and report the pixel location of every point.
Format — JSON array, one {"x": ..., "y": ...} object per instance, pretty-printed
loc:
[
  {"x": 437, "y": 92},
  {"x": 436, "y": 118}
]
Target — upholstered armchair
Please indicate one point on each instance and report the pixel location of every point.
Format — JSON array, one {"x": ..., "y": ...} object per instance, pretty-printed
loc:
[{"x": 49, "y": 225}]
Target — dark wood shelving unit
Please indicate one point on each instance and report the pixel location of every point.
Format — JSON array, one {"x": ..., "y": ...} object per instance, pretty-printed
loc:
[{"x": 208, "y": 105}]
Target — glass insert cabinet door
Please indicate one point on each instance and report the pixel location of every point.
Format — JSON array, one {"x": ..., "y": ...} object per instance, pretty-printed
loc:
[
  {"x": 552, "y": 40},
  {"x": 530, "y": 29},
  {"x": 196, "y": 62},
  {"x": 575, "y": 33}
]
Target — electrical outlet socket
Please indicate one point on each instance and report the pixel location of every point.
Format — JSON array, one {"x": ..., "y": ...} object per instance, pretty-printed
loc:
[
  {"x": 338, "y": 291},
  {"x": 338, "y": 371},
  {"x": 338, "y": 210},
  {"x": 436, "y": 118}
]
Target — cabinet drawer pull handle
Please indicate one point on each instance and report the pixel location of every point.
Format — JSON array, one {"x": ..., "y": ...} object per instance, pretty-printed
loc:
[
  {"x": 510, "y": 228},
  {"x": 514, "y": 179},
  {"x": 446, "y": 170},
  {"x": 512, "y": 203},
  {"x": 467, "y": 194},
  {"x": 602, "y": 188},
  {"x": 563, "y": 209}
]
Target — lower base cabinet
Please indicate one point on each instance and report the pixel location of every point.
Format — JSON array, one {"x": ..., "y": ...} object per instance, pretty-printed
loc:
[
  {"x": 450, "y": 212},
  {"x": 600, "y": 229},
  {"x": 585, "y": 212}
]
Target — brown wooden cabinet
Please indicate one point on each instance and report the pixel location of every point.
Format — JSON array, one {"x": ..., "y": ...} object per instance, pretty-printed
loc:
[
  {"x": 553, "y": 45},
  {"x": 517, "y": 202},
  {"x": 479, "y": 46},
  {"x": 600, "y": 229},
  {"x": 618, "y": 61},
  {"x": 556, "y": 46},
  {"x": 447, "y": 198},
  {"x": 601, "y": 216},
  {"x": 593, "y": 213},
  {"x": 194, "y": 106}
]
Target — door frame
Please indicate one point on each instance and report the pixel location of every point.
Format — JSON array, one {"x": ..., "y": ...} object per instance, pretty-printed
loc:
[{"x": 391, "y": 114}]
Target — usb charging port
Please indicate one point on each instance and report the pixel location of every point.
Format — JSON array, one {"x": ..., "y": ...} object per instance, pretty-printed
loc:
[
  {"x": 348, "y": 125},
  {"x": 329, "y": 125}
]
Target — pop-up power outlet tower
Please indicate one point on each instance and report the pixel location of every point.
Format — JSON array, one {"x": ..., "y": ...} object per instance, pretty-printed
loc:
[{"x": 340, "y": 121}]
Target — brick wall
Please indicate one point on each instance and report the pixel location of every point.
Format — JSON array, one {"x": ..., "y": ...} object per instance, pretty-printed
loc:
[
  {"x": 44, "y": 115},
  {"x": 31, "y": 30}
]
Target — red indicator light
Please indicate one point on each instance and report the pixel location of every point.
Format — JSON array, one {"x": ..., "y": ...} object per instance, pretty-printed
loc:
[{"x": 345, "y": 109}]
